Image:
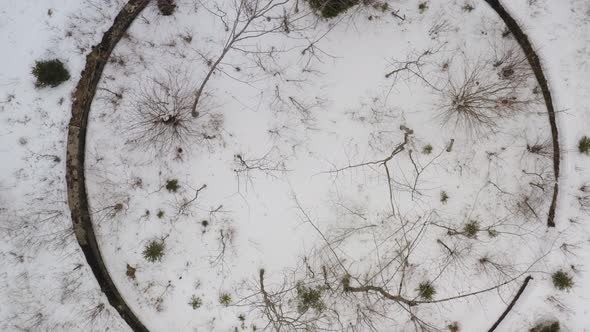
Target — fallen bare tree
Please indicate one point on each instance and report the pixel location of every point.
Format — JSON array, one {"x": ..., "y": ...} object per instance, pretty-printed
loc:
[
  {"x": 385, "y": 287},
  {"x": 413, "y": 262}
]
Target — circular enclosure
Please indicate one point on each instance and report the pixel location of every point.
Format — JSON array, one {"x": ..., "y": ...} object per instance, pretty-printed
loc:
[{"x": 252, "y": 165}]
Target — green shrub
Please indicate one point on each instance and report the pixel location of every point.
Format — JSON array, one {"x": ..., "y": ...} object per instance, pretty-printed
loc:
[
  {"x": 468, "y": 8},
  {"x": 154, "y": 251},
  {"x": 224, "y": 299},
  {"x": 195, "y": 302},
  {"x": 562, "y": 280},
  {"x": 454, "y": 327},
  {"x": 546, "y": 327},
  {"x": 444, "y": 197},
  {"x": 332, "y": 8},
  {"x": 470, "y": 229},
  {"x": 584, "y": 145},
  {"x": 172, "y": 185},
  {"x": 118, "y": 206},
  {"x": 422, "y": 7},
  {"x": 427, "y": 149},
  {"x": 166, "y": 7},
  {"x": 50, "y": 73},
  {"x": 309, "y": 298},
  {"x": 160, "y": 214},
  {"x": 426, "y": 291}
]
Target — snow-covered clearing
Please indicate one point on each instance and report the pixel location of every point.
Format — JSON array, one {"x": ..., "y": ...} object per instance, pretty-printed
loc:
[{"x": 323, "y": 157}]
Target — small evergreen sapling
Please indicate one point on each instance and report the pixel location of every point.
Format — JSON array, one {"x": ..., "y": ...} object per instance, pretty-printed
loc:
[
  {"x": 453, "y": 327},
  {"x": 166, "y": 7},
  {"x": 468, "y": 8},
  {"x": 426, "y": 291},
  {"x": 154, "y": 251},
  {"x": 332, "y": 8},
  {"x": 562, "y": 280},
  {"x": 225, "y": 299},
  {"x": 50, "y": 73},
  {"x": 470, "y": 229},
  {"x": 444, "y": 197},
  {"x": 584, "y": 145},
  {"x": 309, "y": 298},
  {"x": 422, "y": 7},
  {"x": 546, "y": 327},
  {"x": 172, "y": 185},
  {"x": 195, "y": 302}
]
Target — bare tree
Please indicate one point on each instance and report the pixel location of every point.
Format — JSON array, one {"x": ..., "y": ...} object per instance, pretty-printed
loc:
[
  {"x": 542, "y": 147},
  {"x": 414, "y": 66},
  {"x": 251, "y": 19},
  {"x": 477, "y": 99},
  {"x": 476, "y": 94},
  {"x": 161, "y": 115},
  {"x": 271, "y": 164},
  {"x": 183, "y": 206}
]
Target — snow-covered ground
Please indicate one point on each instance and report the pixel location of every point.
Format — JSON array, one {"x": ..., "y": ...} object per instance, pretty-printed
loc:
[
  {"x": 561, "y": 34},
  {"x": 289, "y": 170},
  {"x": 46, "y": 283}
]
